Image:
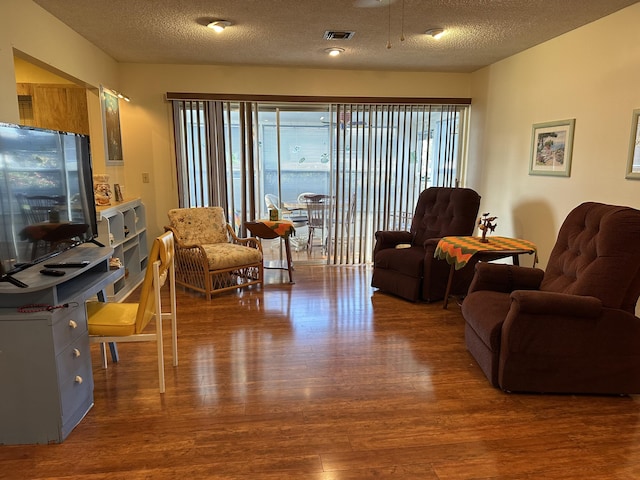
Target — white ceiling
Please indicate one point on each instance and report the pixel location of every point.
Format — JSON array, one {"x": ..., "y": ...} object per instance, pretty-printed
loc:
[{"x": 290, "y": 32}]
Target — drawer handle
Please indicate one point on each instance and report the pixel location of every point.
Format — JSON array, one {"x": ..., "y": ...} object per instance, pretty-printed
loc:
[
  {"x": 78, "y": 379},
  {"x": 76, "y": 353},
  {"x": 73, "y": 324}
]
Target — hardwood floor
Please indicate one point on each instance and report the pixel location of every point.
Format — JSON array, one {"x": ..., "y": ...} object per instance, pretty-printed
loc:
[{"x": 327, "y": 380}]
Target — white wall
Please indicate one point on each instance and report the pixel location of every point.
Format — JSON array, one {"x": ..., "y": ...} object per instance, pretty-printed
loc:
[{"x": 591, "y": 74}]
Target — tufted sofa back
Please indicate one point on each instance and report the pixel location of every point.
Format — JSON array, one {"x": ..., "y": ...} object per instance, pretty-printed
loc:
[
  {"x": 199, "y": 226},
  {"x": 598, "y": 254},
  {"x": 443, "y": 211}
]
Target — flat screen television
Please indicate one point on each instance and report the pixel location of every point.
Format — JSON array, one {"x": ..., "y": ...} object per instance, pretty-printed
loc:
[{"x": 46, "y": 195}]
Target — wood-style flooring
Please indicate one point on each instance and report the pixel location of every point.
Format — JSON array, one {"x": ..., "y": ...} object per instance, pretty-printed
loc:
[{"x": 326, "y": 380}]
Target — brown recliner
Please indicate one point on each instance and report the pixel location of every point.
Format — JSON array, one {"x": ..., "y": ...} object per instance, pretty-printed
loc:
[
  {"x": 571, "y": 328},
  {"x": 413, "y": 273}
]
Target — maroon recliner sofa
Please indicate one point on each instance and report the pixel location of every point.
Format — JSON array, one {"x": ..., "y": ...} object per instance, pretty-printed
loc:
[
  {"x": 571, "y": 328},
  {"x": 412, "y": 273}
]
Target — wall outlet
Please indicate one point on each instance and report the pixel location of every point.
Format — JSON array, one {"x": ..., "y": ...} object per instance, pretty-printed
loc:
[{"x": 145, "y": 177}]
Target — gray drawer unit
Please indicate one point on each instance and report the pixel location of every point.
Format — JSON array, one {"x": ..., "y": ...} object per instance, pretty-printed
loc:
[
  {"x": 45, "y": 363},
  {"x": 70, "y": 325}
]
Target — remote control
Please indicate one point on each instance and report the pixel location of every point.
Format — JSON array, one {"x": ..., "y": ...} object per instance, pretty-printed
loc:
[
  {"x": 53, "y": 273},
  {"x": 67, "y": 265}
]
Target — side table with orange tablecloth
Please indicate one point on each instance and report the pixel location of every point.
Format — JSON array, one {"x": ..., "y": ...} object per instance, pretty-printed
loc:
[
  {"x": 457, "y": 251},
  {"x": 270, "y": 229}
]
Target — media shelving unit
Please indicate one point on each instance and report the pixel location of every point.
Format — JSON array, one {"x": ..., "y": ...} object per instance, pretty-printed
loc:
[{"x": 123, "y": 226}]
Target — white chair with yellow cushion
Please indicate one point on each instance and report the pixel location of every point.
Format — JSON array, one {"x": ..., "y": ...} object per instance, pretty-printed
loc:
[{"x": 126, "y": 322}]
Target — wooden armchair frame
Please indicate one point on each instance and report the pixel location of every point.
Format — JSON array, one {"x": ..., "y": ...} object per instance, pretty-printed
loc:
[{"x": 192, "y": 267}]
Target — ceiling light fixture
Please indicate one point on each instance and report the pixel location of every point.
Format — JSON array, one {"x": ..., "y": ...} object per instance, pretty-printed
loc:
[
  {"x": 121, "y": 95},
  {"x": 218, "y": 25},
  {"x": 436, "y": 33},
  {"x": 335, "y": 51}
]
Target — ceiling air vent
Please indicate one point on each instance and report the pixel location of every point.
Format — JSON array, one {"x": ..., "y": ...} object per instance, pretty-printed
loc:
[{"x": 334, "y": 35}]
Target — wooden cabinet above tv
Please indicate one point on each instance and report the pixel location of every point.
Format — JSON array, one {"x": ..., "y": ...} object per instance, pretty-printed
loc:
[{"x": 56, "y": 107}]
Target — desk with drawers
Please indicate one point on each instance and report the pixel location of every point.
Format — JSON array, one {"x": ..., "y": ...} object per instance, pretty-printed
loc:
[{"x": 46, "y": 383}]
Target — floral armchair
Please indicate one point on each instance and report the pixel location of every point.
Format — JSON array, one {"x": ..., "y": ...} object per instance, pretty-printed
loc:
[{"x": 209, "y": 256}]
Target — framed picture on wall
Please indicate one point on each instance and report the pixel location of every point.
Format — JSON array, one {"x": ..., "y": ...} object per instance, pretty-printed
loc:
[
  {"x": 551, "y": 148},
  {"x": 633, "y": 163},
  {"x": 111, "y": 126}
]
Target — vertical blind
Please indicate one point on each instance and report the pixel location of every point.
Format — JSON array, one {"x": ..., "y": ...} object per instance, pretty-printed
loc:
[{"x": 381, "y": 157}]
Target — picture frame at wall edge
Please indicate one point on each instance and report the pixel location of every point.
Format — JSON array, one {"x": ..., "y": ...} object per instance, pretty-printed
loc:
[{"x": 633, "y": 161}]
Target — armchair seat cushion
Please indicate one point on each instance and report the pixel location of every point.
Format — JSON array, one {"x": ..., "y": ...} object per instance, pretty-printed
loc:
[
  {"x": 229, "y": 255},
  {"x": 485, "y": 314},
  {"x": 407, "y": 261},
  {"x": 112, "y": 319}
]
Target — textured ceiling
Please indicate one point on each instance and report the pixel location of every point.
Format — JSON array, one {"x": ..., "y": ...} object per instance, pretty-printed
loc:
[{"x": 290, "y": 32}]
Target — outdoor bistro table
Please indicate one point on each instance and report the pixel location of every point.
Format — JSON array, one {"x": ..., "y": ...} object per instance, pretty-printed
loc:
[
  {"x": 270, "y": 229},
  {"x": 457, "y": 251}
]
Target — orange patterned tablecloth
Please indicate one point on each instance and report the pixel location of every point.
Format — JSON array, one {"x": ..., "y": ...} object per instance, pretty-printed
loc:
[
  {"x": 458, "y": 250},
  {"x": 284, "y": 228}
]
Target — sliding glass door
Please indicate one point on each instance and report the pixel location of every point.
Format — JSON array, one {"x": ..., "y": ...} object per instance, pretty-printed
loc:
[
  {"x": 295, "y": 149},
  {"x": 371, "y": 161}
]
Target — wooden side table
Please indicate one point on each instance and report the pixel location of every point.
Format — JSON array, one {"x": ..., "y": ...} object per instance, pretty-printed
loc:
[
  {"x": 457, "y": 251},
  {"x": 269, "y": 229}
]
